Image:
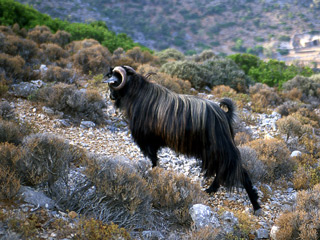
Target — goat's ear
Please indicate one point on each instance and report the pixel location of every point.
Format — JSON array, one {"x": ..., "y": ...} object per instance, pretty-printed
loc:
[{"x": 108, "y": 73}]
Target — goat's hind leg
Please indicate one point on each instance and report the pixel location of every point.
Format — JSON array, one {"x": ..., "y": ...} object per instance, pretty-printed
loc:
[
  {"x": 252, "y": 193},
  {"x": 214, "y": 186}
]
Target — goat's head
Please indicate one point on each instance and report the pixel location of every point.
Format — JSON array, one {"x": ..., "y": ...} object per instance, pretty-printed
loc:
[{"x": 117, "y": 79}]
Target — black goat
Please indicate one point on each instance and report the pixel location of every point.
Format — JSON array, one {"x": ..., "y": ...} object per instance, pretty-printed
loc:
[{"x": 187, "y": 124}]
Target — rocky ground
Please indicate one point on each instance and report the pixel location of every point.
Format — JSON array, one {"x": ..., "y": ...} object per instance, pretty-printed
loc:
[{"x": 114, "y": 139}]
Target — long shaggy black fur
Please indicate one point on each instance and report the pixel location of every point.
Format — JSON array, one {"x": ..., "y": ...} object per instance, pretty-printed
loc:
[{"x": 188, "y": 125}]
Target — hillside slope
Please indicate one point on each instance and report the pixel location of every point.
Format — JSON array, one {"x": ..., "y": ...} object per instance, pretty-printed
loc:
[{"x": 193, "y": 25}]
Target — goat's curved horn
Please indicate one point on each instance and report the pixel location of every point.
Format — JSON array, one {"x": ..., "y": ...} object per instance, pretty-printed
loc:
[
  {"x": 123, "y": 74},
  {"x": 130, "y": 69}
]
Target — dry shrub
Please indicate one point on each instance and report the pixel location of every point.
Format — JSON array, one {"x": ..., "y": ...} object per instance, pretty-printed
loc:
[
  {"x": 6, "y": 110},
  {"x": 124, "y": 61},
  {"x": 61, "y": 38},
  {"x": 12, "y": 67},
  {"x": 19, "y": 31},
  {"x": 139, "y": 56},
  {"x": 308, "y": 172},
  {"x": 206, "y": 233},
  {"x": 287, "y": 223},
  {"x": 4, "y": 87},
  {"x": 173, "y": 194},
  {"x": 6, "y": 30},
  {"x": 10, "y": 132},
  {"x": 58, "y": 74},
  {"x": 53, "y": 52},
  {"x": 275, "y": 155},
  {"x": 81, "y": 104},
  {"x": 301, "y": 178},
  {"x": 304, "y": 222},
  {"x": 40, "y": 34},
  {"x": 95, "y": 59},
  {"x": 45, "y": 159},
  {"x": 247, "y": 225},
  {"x": 290, "y": 127},
  {"x": 263, "y": 97},
  {"x": 307, "y": 117},
  {"x": 76, "y": 46},
  {"x": 254, "y": 166},
  {"x": 14, "y": 45},
  {"x": 293, "y": 94},
  {"x": 223, "y": 91},
  {"x": 171, "y": 82},
  {"x": 121, "y": 194},
  {"x": 10, "y": 183},
  {"x": 9, "y": 155},
  {"x": 242, "y": 138},
  {"x": 91, "y": 229}
]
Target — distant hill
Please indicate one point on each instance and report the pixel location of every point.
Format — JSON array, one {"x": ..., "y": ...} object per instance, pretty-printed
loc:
[{"x": 226, "y": 26}]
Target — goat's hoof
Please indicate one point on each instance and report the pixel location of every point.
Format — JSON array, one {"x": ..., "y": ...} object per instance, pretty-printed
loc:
[{"x": 258, "y": 212}]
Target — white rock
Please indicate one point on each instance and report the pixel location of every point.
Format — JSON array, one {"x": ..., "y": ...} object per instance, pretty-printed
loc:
[
  {"x": 203, "y": 216},
  {"x": 262, "y": 234},
  {"x": 273, "y": 232},
  {"x": 296, "y": 154},
  {"x": 87, "y": 124}
]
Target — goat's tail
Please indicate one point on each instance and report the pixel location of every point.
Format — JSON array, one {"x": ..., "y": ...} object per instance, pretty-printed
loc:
[{"x": 231, "y": 113}]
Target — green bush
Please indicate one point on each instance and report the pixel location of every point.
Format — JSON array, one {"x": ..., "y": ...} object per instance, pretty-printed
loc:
[
  {"x": 203, "y": 56},
  {"x": 224, "y": 71},
  {"x": 187, "y": 70},
  {"x": 245, "y": 61},
  {"x": 213, "y": 72},
  {"x": 276, "y": 73},
  {"x": 307, "y": 85},
  {"x": 169, "y": 54},
  {"x": 12, "y": 12}
]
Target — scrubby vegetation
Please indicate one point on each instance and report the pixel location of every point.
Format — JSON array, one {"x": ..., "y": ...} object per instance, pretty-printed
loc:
[{"x": 70, "y": 60}]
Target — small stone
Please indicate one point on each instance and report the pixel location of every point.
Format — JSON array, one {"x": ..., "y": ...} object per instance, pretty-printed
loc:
[
  {"x": 48, "y": 110},
  {"x": 296, "y": 154},
  {"x": 72, "y": 214},
  {"x": 87, "y": 124},
  {"x": 262, "y": 233},
  {"x": 273, "y": 232}
]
